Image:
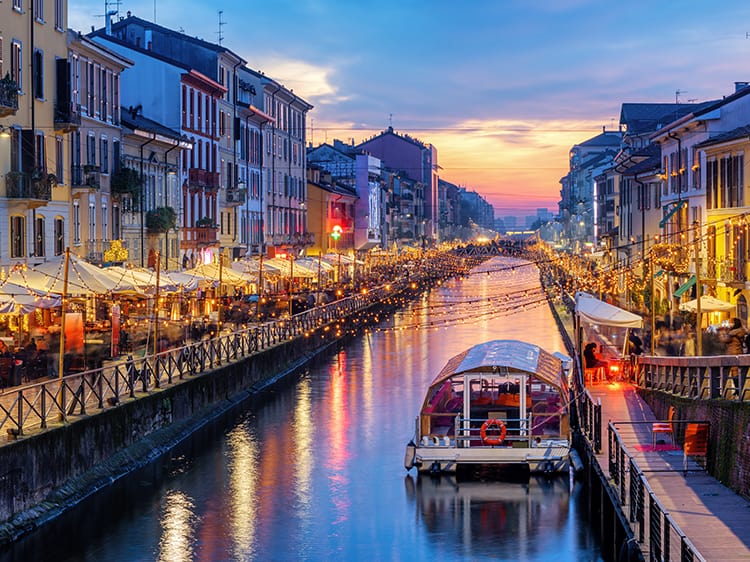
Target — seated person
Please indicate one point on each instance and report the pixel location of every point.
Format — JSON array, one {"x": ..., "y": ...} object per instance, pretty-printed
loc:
[{"x": 591, "y": 360}]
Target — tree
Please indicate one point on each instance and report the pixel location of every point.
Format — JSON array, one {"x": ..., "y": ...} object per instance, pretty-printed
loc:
[{"x": 161, "y": 219}]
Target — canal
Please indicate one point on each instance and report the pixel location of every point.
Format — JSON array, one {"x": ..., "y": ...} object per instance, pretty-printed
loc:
[{"x": 313, "y": 468}]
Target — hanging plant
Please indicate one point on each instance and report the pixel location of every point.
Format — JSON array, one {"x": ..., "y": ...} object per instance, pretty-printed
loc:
[{"x": 161, "y": 219}]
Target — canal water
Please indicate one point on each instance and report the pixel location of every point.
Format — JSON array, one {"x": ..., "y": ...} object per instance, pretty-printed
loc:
[{"x": 313, "y": 468}]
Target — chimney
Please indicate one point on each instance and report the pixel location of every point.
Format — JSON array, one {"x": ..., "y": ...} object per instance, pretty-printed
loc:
[{"x": 740, "y": 86}]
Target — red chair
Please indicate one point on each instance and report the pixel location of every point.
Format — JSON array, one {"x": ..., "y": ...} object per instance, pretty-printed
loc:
[{"x": 664, "y": 428}]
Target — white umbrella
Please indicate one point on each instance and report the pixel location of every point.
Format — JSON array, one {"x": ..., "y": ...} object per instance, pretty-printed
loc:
[
  {"x": 83, "y": 278},
  {"x": 708, "y": 304},
  {"x": 21, "y": 299}
]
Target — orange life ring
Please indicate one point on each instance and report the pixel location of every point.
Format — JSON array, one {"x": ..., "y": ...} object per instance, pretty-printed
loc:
[{"x": 490, "y": 424}]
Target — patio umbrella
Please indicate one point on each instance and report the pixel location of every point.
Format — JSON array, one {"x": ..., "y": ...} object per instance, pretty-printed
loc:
[
  {"x": 84, "y": 279},
  {"x": 708, "y": 304},
  {"x": 229, "y": 276},
  {"x": 20, "y": 299},
  {"x": 142, "y": 278}
]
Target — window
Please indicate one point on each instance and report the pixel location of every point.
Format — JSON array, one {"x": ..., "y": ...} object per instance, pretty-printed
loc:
[
  {"x": 115, "y": 222},
  {"x": 1, "y": 56},
  {"x": 76, "y": 223},
  {"x": 91, "y": 150},
  {"x": 116, "y": 156},
  {"x": 92, "y": 222},
  {"x": 105, "y": 223},
  {"x": 59, "y": 15},
  {"x": 17, "y": 236},
  {"x": 39, "y": 241},
  {"x": 17, "y": 5},
  {"x": 104, "y": 155},
  {"x": 103, "y": 94},
  {"x": 59, "y": 236},
  {"x": 91, "y": 92},
  {"x": 39, "y": 10},
  {"x": 59, "y": 159},
  {"x": 41, "y": 153},
  {"x": 16, "y": 64}
]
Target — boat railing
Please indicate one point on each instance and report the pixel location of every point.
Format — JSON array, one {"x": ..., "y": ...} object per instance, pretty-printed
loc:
[{"x": 519, "y": 432}]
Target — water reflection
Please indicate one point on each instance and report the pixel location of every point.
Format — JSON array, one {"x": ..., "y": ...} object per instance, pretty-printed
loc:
[
  {"x": 178, "y": 528},
  {"x": 506, "y": 520},
  {"x": 242, "y": 452},
  {"x": 313, "y": 468}
]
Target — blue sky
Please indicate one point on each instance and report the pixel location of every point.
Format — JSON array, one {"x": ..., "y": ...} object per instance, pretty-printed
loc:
[{"x": 502, "y": 88}]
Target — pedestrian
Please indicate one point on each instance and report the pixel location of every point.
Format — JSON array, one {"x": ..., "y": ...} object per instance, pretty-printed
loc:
[{"x": 733, "y": 337}]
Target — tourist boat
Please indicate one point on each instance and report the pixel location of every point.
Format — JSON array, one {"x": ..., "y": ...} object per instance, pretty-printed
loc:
[{"x": 502, "y": 402}]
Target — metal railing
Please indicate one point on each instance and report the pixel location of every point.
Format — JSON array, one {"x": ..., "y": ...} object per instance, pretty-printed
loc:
[
  {"x": 590, "y": 419},
  {"x": 652, "y": 524},
  {"x": 710, "y": 377},
  {"x": 38, "y": 405}
]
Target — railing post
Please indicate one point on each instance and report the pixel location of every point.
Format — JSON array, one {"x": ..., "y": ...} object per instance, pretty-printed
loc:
[{"x": 598, "y": 427}]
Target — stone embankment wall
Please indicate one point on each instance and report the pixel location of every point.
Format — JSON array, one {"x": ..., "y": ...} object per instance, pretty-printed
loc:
[
  {"x": 729, "y": 436},
  {"x": 46, "y": 473}
]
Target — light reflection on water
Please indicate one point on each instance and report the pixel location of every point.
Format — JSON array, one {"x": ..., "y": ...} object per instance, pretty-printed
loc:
[{"x": 313, "y": 469}]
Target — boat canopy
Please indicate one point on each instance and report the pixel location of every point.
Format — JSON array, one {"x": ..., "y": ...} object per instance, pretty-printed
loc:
[
  {"x": 506, "y": 356},
  {"x": 599, "y": 312}
]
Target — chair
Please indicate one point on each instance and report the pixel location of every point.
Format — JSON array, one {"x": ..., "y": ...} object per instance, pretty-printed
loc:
[
  {"x": 696, "y": 443},
  {"x": 593, "y": 375},
  {"x": 664, "y": 428}
]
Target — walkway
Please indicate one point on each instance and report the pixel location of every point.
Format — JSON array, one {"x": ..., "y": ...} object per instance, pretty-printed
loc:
[{"x": 714, "y": 518}]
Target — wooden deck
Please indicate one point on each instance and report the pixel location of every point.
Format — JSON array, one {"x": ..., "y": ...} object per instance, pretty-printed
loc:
[{"x": 715, "y": 519}]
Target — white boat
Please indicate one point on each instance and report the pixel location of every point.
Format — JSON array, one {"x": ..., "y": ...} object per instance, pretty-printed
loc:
[{"x": 502, "y": 402}]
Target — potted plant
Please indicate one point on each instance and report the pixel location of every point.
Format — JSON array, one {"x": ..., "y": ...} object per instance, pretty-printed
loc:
[{"x": 205, "y": 222}]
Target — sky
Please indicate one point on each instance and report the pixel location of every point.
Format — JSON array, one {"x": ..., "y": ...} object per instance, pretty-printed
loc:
[{"x": 502, "y": 88}]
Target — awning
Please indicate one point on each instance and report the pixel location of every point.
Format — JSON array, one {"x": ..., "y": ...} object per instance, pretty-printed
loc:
[
  {"x": 684, "y": 287},
  {"x": 672, "y": 211},
  {"x": 599, "y": 312}
]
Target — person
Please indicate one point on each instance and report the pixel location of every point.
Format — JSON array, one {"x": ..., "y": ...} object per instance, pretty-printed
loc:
[
  {"x": 591, "y": 361},
  {"x": 733, "y": 337},
  {"x": 636, "y": 345}
]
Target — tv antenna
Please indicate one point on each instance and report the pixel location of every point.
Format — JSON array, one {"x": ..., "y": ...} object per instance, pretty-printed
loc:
[
  {"x": 109, "y": 12},
  {"x": 221, "y": 24},
  {"x": 677, "y": 95}
]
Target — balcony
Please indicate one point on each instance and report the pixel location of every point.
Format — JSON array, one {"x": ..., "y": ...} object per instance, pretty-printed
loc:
[
  {"x": 236, "y": 196},
  {"x": 85, "y": 177},
  {"x": 730, "y": 271},
  {"x": 199, "y": 237},
  {"x": 8, "y": 97},
  {"x": 203, "y": 179},
  {"x": 67, "y": 117},
  {"x": 36, "y": 187}
]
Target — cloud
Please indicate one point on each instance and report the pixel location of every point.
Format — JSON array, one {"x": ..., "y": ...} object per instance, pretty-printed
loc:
[{"x": 307, "y": 79}]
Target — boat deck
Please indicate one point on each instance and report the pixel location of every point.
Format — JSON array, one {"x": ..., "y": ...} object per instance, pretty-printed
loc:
[{"x": 714, "y": 518}]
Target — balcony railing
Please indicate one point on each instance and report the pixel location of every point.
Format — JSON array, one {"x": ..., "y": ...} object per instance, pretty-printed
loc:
[
  {"x": 20, "y": 185},
  {"x": 236, "y": 196},
  {"x": 8, "y": 97},
  {"x": 298, "y": 240},
  {"x": 728, "y": 271},
  {"x": 67, "y": 117},
  {"x": 85, "y": 176},
  {"x": 199, "y": 237},
  {"x": 198, "y": 178}
]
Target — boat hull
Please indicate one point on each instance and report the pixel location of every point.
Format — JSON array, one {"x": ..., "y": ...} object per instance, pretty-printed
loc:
[{"x": 548, "y": 458}]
